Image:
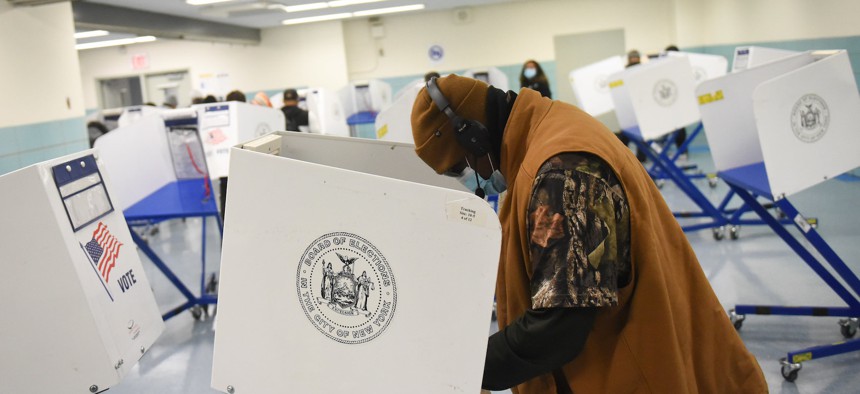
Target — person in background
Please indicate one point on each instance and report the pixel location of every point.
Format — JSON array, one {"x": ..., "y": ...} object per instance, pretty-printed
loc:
[
  {"x": 633, "y": 58},
  {"x": 261, "y": 99},
  {"x": 209, "y": 99},
  {"x": 236, "y": 96},
  {"x": 431, "y": 74},
  {"x": 598, "y": 289},
  {"x": 293, "y": 115},
  {"x": 532, "y": 77}
]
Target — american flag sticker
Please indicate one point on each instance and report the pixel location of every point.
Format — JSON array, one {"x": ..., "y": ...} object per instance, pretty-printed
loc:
[{"x": 103, "y": 250}]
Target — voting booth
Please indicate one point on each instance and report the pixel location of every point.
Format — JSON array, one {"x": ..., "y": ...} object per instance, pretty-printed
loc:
[
  {"x": 804, "y": 106},
  {"x": 160, "y": 172},
  {"x": 325, "y": 113},
  {"x": 775, "y": 130},
  {"x": 752, "y": 56},
  {"x": 77, "y": 308},
  {"x": 395, "y": 122},
  {"x": 343, "y": 258},
  {"x": 491, "y": 75},
  {"x": 362, "y": 101},
  {"x": 704, "y": 66},
  {"x": 223, "y": 125},
  {"x": 590, "y": 84},
  {"x": 655, "y": 98}
]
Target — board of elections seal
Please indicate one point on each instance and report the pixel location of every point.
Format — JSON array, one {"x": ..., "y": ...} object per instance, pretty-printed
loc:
[
  {"x": 665, "y": 92},
  {"x": 346, "y": 288},
  {"x": 810, "y": 118}
]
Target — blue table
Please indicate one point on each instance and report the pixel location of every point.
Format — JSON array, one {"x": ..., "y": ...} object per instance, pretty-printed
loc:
[
  {"x": 750, "y": 183},
  {"x": 665, "y": 166},
  {"x": 180, "y": 199}
]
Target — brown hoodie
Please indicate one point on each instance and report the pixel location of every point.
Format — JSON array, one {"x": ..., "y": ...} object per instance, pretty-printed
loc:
[{"x": 668, "y": 333}]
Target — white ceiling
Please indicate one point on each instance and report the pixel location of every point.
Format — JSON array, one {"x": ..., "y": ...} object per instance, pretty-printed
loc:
[{"x": 256, "y": 14}]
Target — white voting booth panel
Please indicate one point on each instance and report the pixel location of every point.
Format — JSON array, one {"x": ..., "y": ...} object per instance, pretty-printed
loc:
[
  {"x": 658, "y": 97},
  {"x": 133, "y": 114},
  {"x": 326, "y": 115},
  {"x": 384, "y": 158},
  {"x": 491, "y": 75},
  {"x": 704, "y": 66},
  {"x": 591, "y": 85},
  {"x": 395, "y": 122},
  {"x": 137, "y": 159},
  {"x": 799, "y": 116},
  {"x": 77, "y": 308},
  {"x": 223, "y": 125},
  {"x": 752, "y": 56},
  {"x": 335, "y": 281}
]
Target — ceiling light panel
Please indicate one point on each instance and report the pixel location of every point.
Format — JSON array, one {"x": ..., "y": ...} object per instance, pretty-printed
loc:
[
  {"x": 205, "y": 2},
  {"x": 110, "y": 43},
  {"x": 389, "y": 10},
  {"x": 320, "y": 18},
  {"x": 91, "y": 33}
]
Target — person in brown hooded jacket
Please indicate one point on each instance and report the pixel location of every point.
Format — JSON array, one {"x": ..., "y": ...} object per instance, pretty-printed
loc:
[{"x": 598, "y": 289}]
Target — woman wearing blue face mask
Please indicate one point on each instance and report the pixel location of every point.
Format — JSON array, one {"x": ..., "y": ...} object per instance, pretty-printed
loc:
[{"x": 532, "y": 77}]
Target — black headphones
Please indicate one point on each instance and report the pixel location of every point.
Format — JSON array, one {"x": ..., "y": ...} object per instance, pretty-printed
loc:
[{"x": 471, "y": 134}]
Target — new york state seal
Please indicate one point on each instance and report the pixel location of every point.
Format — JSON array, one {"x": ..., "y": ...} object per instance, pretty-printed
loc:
[{"x": 346, "y": 288}]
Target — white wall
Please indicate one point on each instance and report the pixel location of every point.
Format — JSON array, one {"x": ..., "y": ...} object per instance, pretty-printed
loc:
[
  {"x": 302, "y": 55},
  {"x": 500, "y": 34},
  {"x": 39, "y": 68},
  {"x": 329, "y": 54},
  {"x": 714, "y": 22}
]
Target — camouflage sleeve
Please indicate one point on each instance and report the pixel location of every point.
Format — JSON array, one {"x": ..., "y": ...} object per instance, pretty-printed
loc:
[{"x": 574, "y": 217}]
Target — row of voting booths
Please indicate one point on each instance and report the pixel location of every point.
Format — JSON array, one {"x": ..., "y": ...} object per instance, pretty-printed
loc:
[
  {"x": 336, "y": 250},
  {"x": 774, "y": 130},
  {"x": 332, "y": 257},
  {"x": 779, "y": 123}
]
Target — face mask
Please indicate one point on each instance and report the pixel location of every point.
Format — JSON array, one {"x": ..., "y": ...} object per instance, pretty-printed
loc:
[
  {"x": 530, "y": 73},
  {"x": 493, "y": 186}
]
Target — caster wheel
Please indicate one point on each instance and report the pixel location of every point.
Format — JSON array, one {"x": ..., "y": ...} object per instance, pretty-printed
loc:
[
  {"x": 719, "y": 233},
  {"x": 735, "y": 232},
  {"x": 848, "y": 327},
  {"x": 737, "y": 320},
  {"x": 196, "y": 312},
  {"x": 789, "y": 370},
  {"x": 712, "y": 182}
]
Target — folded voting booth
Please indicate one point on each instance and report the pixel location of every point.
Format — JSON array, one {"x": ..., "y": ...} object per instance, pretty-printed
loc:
[
  {"x": 777, "y": 129},
  {"x": 161, "y": 173},
  {"x": 77, "y": 308},
  {"x": 223, "y": 125},
  {"x": 345, "y": 271},
  {"x": 752, "y": 56}
]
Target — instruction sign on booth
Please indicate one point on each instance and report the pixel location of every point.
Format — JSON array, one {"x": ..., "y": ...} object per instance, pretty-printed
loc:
[{"x": 78, "y": 310}]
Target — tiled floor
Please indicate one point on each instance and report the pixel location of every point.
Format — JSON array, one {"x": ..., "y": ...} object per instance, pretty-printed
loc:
[{"x": 757, "y": 268}]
